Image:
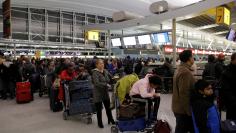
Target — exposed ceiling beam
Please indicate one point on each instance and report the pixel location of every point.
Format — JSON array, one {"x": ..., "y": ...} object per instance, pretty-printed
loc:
[
  {"x": 222, "y": 32},
  {"x": 207, "y": 27},
  {"x": 157, "y": 19}
]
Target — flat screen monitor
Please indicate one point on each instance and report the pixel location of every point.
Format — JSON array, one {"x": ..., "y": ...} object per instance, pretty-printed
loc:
[
  {"x": 231, "y": 36},
  {"x": 116, "y": 42},
  {"x": 144, "y": 39},
  {"x": 161, "y": 37},
  {"x": 129, "y": 41}
]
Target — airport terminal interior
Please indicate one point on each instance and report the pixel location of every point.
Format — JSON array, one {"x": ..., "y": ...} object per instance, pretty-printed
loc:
[{"x": 109, "y": 66}]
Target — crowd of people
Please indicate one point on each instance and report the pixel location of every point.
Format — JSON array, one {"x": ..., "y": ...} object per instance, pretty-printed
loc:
[{"x": 192, "y": 101}]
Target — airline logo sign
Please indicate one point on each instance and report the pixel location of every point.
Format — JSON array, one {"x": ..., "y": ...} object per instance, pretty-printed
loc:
[
  {"x": 169, "y": 49},
  {"x": 223, "y": 15}
]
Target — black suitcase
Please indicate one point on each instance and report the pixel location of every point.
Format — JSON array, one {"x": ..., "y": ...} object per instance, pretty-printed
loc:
[{"x": 55, "y": 104}]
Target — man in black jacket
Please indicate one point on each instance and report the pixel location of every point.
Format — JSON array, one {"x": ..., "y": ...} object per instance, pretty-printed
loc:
[
  {"x": 209, "y": 71},
  {"x": 219, "y": 66},
  {"x": 229, "y": 89}
]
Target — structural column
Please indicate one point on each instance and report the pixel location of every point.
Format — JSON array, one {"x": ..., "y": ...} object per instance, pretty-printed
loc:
[
  {"x": 174, "y": 41},
  {"x": 109, "y": 44},
  {"x": 46, "y": 25},
  {"x": 74, "y": 27},
  {"x": 14, "y": 51},
  {"x": 29, "y": 24},
  {"x": 61, "y": 27}
]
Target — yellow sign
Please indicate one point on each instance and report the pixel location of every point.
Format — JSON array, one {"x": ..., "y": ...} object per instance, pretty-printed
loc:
[
  {"x": 37, "y": 54},
  {"x": 222, "y": 16},
  {"x": 93, "y": 35},
  {"x": 227, "y": 16}
]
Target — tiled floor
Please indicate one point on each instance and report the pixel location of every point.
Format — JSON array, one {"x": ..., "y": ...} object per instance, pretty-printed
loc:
[{"x": 35, "y": 117}]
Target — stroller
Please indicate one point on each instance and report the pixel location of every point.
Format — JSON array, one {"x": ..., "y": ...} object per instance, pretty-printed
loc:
[
  {"x": 139, "y": 123},
  {"x": 78, "y": 100}
]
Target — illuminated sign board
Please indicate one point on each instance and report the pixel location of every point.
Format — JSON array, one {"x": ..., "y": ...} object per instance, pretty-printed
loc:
[
  {"x": 169, "y": 49},
  {"x": 93, "y": 35},
  {"x": 222, "y": 15}
]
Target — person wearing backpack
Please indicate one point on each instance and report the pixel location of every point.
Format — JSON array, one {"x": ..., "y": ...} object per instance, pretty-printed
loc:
[{"x": 204, "y": 112}]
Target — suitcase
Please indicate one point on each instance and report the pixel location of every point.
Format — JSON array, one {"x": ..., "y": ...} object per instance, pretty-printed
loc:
[
  {"x": 138, "y": 124},
  {"x": 55, "y": 104},
  {"x": 23, "y": 92}
]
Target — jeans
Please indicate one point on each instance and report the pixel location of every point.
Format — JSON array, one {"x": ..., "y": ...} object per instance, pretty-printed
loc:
[{"x": 184, "y": 124}]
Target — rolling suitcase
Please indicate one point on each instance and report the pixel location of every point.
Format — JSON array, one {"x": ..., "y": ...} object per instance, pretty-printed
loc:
[
  {"x": 55, "y": 104},
  {"x": 23, "y": 92}
]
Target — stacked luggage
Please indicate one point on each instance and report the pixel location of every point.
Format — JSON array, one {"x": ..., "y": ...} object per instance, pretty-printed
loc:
[
  {"x": 78, "y": 99},
  {"x": 132, "y": 116}
]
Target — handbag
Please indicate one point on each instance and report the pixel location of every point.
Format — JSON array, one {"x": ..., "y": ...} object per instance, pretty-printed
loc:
[
  {"x": 56, "y": 83},
  {"x": 162, "y": 126}
]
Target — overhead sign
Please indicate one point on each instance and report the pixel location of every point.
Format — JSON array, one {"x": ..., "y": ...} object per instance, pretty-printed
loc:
[
  {"x": 169, "y": 49},
  {"x": 93, "y": 35},
  {"x": 222, "y": 15},
  {"x": 38, "y": 54}
]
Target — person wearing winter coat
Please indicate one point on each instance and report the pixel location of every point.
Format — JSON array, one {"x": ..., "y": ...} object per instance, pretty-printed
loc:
[
  {"x": 209, "y": 71},
  {"x": 183, "y": 83},
  {"x": 101, "y": 79},
  {"x": 204, "y": 112},
  {"x": 228, "y": 92}
]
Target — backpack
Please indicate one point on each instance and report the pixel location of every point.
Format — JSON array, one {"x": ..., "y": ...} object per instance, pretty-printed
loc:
[{"x": 162, "y": 126}]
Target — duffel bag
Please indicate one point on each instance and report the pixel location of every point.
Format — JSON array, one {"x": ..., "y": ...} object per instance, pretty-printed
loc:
[{"x": 132, "y": 110}]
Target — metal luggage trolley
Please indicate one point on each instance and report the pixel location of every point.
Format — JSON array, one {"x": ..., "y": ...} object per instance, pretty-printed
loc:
[
  {"x": 43, "y": 86},
  {"x": 139, "y": 124},
  {"x": 78, "y": 100}
]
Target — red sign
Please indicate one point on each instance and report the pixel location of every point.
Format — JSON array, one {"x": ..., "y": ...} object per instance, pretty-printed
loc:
[{"x": 169, "y": 49}]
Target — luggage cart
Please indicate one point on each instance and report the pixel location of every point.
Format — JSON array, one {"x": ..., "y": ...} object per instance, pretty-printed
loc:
[
  {"x": 140, "y": 124},
  {"x": 43, "y": 90},
  {"x": 78, "y": 100}
]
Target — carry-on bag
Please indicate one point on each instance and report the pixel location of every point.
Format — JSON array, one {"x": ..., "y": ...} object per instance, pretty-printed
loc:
[
  {"x": 55, "y": 104},
  {"x": 23, "y": 92}
]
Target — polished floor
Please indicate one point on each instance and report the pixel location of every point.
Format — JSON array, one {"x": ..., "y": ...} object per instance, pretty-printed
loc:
[{"x": 35, "y": 117}]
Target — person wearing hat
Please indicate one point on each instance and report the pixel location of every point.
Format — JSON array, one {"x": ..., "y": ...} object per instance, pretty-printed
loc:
[
  {"x": 145, "y": 88},
  {"x": 220, "y": 66}
]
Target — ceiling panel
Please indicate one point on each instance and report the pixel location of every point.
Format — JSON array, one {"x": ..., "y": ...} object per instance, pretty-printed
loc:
[{"x": 104, "y": 7}]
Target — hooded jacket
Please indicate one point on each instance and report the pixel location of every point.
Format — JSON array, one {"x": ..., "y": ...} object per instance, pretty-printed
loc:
[
  {"x": 204, "y": 114},
  {"x": 125, "y": 84}
]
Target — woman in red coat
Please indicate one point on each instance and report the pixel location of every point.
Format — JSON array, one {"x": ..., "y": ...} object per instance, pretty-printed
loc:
[{"x": 68, "y": 75}]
